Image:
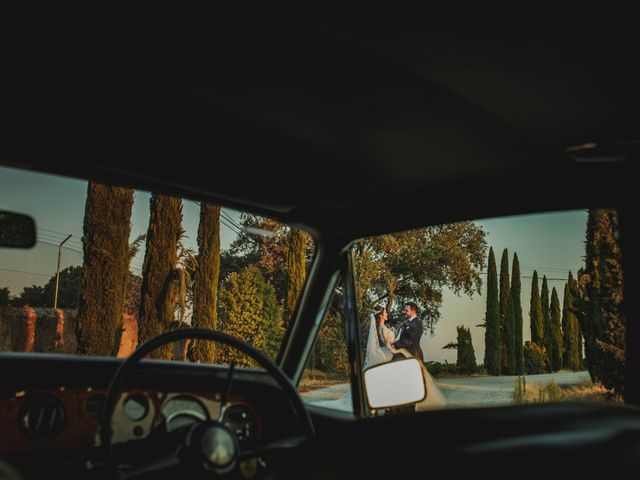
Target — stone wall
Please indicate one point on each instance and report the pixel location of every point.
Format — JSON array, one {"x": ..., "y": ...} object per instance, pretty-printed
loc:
[{"x": 48, "y": 330}]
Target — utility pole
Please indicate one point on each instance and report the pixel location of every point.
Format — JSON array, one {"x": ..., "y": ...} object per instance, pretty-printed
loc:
[{"x": 55, "y": 301}]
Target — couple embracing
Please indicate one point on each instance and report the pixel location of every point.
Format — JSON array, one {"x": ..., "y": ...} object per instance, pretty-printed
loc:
[{"x": 383, "y": 345}]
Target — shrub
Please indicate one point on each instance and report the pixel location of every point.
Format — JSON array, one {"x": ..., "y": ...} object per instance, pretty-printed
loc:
[{"x": 535, "y": 359}]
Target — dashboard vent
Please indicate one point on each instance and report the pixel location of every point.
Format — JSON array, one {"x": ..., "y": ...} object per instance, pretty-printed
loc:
[{"x": 42, "y": 417}]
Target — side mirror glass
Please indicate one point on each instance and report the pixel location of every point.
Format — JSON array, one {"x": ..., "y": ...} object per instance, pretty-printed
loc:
[
  {"x": 394, "y": 383},
  {"x": 17, "y": 230}
]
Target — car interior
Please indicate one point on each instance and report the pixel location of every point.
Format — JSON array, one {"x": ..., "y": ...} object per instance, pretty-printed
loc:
[{"x": 345, "y": 127}]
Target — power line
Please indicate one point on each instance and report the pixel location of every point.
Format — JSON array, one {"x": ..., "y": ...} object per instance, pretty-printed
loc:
[
  {"x": 27, "y": 273},
  {"x": 56, "y": 242},
  {"x": 229, "y": 219},
  {"x": 55, "y": 245},
  {"x": 54, "y": 231},
  {"x": 57, "y": 236},
  {"x": 531, "y": 276},
  {"x": 549, "y": 269},
  {"x": 225, "y": 220}
]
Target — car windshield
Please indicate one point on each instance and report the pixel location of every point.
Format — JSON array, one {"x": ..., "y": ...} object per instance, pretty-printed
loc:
[
  {"x": 522, "y": 309},
  {"x": 113, "y": 267}
]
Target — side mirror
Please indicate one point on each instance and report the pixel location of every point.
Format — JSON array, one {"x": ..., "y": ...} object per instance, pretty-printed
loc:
[
  {"x": 17, "y": 230},
  {"x": 394, "y": 383}
]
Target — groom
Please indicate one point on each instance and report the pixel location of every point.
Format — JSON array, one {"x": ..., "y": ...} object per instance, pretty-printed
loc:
[{"x": 410, "y": 332}]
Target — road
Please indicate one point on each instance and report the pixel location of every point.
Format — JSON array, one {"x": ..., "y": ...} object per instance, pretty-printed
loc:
[{"x": 459, "y": 391}]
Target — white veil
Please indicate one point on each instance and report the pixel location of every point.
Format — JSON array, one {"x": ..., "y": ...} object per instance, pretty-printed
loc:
[{"x": 375, "y": 354}]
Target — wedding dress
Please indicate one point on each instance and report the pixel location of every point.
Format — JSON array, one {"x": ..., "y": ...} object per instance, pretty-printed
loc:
[{"x": 380, "y": 350}]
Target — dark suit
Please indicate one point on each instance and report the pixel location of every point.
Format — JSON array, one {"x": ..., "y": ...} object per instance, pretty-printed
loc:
[{"x": 410, "y": 335}]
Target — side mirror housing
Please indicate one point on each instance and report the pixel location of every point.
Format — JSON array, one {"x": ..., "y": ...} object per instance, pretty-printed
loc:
[
  {"x": 17, "y": 230},
  {"x": 394, "y": 384}
]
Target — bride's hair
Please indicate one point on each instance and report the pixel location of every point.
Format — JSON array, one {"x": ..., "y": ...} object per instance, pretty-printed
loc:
[{"x": 377, "y": 315}]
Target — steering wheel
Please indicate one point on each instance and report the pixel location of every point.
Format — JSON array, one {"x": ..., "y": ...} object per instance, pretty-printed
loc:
[{"x": 210, "y": 446}]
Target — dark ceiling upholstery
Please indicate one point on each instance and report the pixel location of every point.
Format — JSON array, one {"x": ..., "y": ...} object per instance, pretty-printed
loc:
[{"x": 323, "y": 119}]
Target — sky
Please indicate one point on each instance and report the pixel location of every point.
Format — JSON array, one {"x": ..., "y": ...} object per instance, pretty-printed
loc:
[
  {"x": 57, "y": 204},
  {"x": 552, "y": 243}
]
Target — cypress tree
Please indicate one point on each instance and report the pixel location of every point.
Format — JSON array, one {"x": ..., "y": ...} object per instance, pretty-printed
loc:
[
  {"x": 570, "y": 354},
  {"x": 506, "y": 330},
  {"x": 466, "y": 361},
  {"x": 492, "y": 343},
  {"x": 598, "y": 305},
  {"x": 535, "y": 312},
  {"x": 105, "y": 243},
  {"x": 159, "y": 293},
  {"x": 574, "y": 288},
  {"x": 555, "y": 354},
  {"x": 205, "y": 289},
  {"x": 296, "y": 270},
  {"x": 515, "y": 311},
  {"x": 546, "y": 318},
  {"x": 580, "y": 341}
]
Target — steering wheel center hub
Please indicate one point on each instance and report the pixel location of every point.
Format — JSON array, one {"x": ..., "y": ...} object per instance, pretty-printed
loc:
[{"x": 218, "y": 446}]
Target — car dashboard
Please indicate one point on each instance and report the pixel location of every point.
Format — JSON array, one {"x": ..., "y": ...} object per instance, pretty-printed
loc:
[{"x": 52, "y": 405}]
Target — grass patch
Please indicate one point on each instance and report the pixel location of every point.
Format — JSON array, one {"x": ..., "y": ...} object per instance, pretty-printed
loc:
[
  {"x": 314, "y": 379},
  {"x": 529, "y": 392}
]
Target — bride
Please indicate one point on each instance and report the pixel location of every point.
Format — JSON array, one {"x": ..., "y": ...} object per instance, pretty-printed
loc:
[{"x": 380, "y": 350}]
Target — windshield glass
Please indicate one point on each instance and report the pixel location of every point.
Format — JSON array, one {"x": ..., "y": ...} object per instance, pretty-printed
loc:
[
  {"x": 114, "y": 267},
  {"x": 522, "y": 309}
]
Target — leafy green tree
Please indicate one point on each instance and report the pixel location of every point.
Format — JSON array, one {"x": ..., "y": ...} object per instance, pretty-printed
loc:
[
  {"x": 272, "y": 319},
  {"x": 205, "y": 292},
  {"x": 296, "y": 270},
  {"x": 263, "y": 242},
  {"x": 598, "y": 307},
  {"x": 132, "y": 302},
  {"x": 134, "y": 282},
  {"x": 5, "y": 296},
  {"x": 159, "y": 293},
  {"x": 42, "y": 296},
  {"x": 492, "y": 344},
  {"x": 466, "y": 359},
  {"x": 240, "y": 310},
  {"x": 506, "y": 329},
  {"x": 536, "y": 359},
  {"x": 415, "y": 266},
  {"x": 33, "y": 296},
  {"x": 570, "y": 351},
  {"x": 515, "y": 312},
  {"x": 535, "y": 312},
  {"x": 107, "y": 225},
  {"x": 555, "y": 332},
  {"x": 330, "y": 350}
]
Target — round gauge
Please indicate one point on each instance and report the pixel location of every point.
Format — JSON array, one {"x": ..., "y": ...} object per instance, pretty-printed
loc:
[
  {"x": 240, "y": 420},
  {"x": 136, "y": 406},
  {"x": 181, "y": 411},
  {"x": 42, "y": 417},
  {"x": 94, "y": 406}
]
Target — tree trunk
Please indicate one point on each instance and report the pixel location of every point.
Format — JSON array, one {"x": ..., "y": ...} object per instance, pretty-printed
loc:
[
  {"x": 105, "y": 242},
  {"x": 158, "y": 296},
  {"x": 296, "y": 271},
  {"x": 205, "y": 290}
]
